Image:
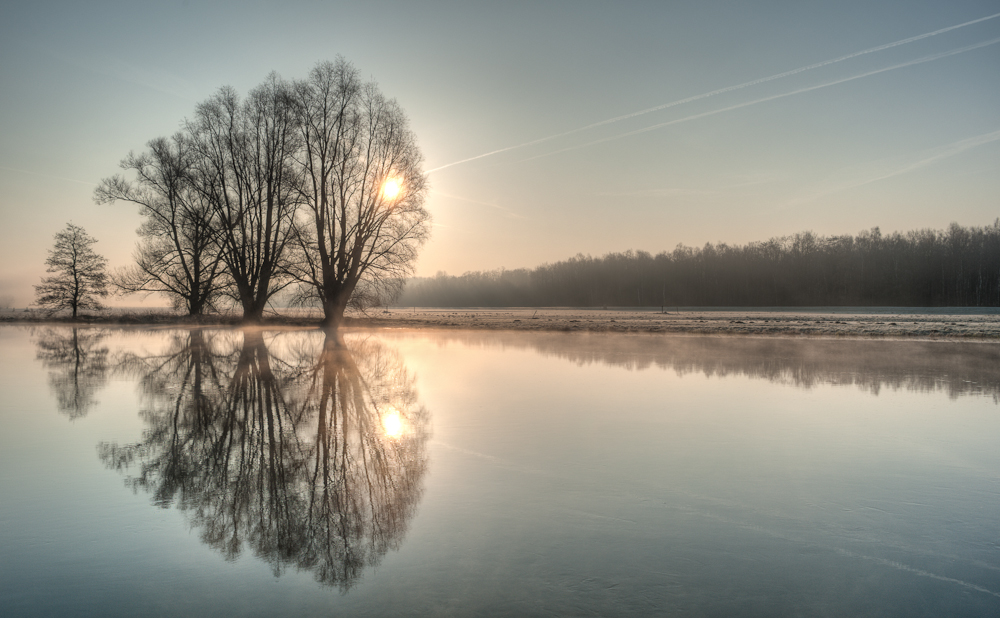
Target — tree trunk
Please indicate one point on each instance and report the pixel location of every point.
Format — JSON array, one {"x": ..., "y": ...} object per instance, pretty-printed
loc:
[
  {"x": 253, "y": 305},
  {"x": 253, "y": 313},
  {"x": 333, "y": 312}
]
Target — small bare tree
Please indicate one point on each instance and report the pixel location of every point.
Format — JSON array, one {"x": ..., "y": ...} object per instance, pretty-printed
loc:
[
  {"x": 363, "y": 190},
  {"x": 78, "y": 278}
]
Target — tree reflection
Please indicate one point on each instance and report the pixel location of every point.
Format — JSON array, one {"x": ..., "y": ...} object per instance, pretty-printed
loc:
[
  {"x": 78, "y": 366},
  {"x": 958, "y": 368},
  {"x": 312, "y": 458},
  {"x": 368, "y": 452}
]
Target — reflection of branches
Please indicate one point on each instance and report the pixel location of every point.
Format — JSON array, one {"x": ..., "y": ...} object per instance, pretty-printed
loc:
[
  {"x": 78, "y": 366},
  {"x": 182, "y": 388},
  {"x": 369, "y": 451},
  {"x": 314, "y": 463}
]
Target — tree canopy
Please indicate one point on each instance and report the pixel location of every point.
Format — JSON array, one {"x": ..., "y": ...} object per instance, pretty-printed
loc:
[
  {"x": 362, "y": 190},
  {"x": 78, "y": 279},
  {"x": 177, "y": 254},
  {"x": 313, "y": 184}
]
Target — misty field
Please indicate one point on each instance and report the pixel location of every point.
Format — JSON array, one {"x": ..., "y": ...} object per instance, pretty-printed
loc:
[
  {"x": 908, "y": 323},
  {"x": 827, "y": 322}
]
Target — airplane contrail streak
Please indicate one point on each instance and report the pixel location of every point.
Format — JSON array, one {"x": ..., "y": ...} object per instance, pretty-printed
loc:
[
  {"x": 14, "y": 169},
  {"x": 720, "y": 91},
  {"x": 772, "y": 98},
  {"x": 950, "y": 151},
  {"x": 929, "y": 157}
]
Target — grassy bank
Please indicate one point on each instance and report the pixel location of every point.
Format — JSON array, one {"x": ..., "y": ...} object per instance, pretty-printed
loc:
[{"x": 790, "y": 323}]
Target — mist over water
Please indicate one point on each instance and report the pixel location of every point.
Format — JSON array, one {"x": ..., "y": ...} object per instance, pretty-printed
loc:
[
  {"x": 215, "y": 471},
  {"x": 953, "y": 367}
]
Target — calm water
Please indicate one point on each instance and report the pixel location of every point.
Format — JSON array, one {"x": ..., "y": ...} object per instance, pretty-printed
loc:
[{"x": 223, "y": 472}]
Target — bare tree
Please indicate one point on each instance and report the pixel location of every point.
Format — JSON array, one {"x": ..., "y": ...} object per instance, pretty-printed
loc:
[
  {"x": 225, "y": 196},
  {"x": 178, "y": 254},
  {"x": 363, "y": 190},
  {"x": 245, "y": 170},
  {"x": 79, "y": 278}
]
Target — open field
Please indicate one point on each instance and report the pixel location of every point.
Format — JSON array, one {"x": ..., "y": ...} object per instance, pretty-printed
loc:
[
  {"x": 899, "y": 323},
  {"x": 735, "y": 322}
]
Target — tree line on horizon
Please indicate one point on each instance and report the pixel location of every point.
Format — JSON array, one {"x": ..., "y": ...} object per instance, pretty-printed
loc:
[{"x": 955, "y": 267}]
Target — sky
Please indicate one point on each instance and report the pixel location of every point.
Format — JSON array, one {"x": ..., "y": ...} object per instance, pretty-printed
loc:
[{"x": 548, "y": 128}]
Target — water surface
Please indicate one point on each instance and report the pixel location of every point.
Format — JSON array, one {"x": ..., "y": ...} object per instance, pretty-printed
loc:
[{"x": 219, "y": 472}]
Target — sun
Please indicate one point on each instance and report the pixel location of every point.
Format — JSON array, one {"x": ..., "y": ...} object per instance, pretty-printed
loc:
[
  {"x": 392, "y": 424},
  {"x": 391, "y": 189}
]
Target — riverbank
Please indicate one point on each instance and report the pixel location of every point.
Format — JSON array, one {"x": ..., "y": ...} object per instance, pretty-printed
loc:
[
  {"x": 755, "y": 323},
  {"x": 786, "y": 322}
]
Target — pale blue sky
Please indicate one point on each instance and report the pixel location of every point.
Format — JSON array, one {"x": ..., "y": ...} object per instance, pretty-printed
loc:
[{"x": 901, "y": 138}]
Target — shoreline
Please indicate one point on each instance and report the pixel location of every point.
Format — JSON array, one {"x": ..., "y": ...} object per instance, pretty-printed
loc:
[{"x": 786, "y": 322}]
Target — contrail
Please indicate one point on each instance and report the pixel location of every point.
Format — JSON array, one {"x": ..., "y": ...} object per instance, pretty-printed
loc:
[
  {"x": 14, "y": 169},
  {"x": 949, "y": 151},
  {"x": 932, "y": 156},
  {"x": 920, "y": 572},
  {"x": 721, "y": 91},
  {"x": 773, "y": 97}
]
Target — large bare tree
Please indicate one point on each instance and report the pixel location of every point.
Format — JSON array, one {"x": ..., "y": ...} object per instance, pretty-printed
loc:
[
  {"x": 362, "y": 187},
  {"x": 78, "y": 279},
  {"x": 245, "y": 170},
  {"x": 317, "y": 183},
  {"x": 178, "y": 254}
]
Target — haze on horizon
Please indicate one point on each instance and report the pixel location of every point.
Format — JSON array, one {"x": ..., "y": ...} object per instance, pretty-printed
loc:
[{"x": 549, "y": 129}]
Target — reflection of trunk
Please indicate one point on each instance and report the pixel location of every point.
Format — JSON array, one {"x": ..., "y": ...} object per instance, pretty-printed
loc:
[
  {"x": 264, "y": 441},
  {"x": 363, "y": 479},
  {"x": 289, "y": 457},
  {"x": 341, "y": 416},
  {"x": 78, "y": 367},
  {"x": 333, "y": 311}
]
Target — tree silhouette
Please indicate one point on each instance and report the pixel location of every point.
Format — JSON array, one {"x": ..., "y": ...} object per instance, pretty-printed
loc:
[
  {"x": 78, "y": 366},
  {"x": 316, "y": 183},
  {"x": 245, "y": 170},
  {"x": 363, "y": 191},
  {"x": 178, "y": 254},
  {"x": 79, "y": 278},
  {"x": 313, "y": 461}
]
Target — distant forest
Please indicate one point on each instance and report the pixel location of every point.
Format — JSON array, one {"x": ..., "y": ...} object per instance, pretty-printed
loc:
[{"x": 957, "y": 267}]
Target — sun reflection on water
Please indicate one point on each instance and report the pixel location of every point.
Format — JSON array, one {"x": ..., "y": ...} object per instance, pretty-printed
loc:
[{"x": 392, "y": 423}]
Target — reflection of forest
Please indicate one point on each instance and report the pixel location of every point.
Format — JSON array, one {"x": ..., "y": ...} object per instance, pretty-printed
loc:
[
  {"x": 77, "y": 360},
  {"x": 957, "y": 368},
  {"x": 312, "y": 458}
]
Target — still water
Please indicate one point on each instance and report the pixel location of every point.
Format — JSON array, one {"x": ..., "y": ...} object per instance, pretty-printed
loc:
[{"x": 267, "y": 473}]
